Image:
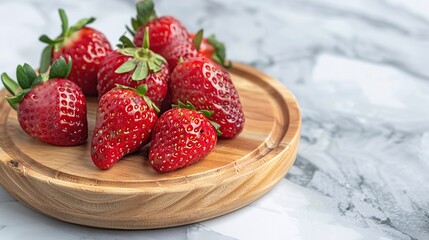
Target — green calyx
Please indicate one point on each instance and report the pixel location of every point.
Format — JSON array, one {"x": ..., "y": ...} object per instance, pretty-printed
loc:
[
  {"x": 143, "y": 59},
  {"x": 198, "y": 38},
  {"x": 125, "y": 42},
  {"x": 145, "y": 13},
  {"x": 56, "y": 44},
  {"x": 206, "y": 113},
  {"x": 141, "y": 91},
  {"x": 27, "y": 79},
  {"x": 220, "y": 51}
]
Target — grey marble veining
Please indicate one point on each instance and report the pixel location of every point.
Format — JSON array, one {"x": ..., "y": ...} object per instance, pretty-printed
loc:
[{"x": 359, "y": 70}]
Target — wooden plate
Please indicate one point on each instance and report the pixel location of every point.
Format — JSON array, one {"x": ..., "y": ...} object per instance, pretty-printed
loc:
[{"x": 63, "y": 183}]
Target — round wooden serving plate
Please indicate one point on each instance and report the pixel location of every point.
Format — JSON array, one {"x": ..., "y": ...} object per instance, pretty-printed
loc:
[{"x": 62, "y": 182}]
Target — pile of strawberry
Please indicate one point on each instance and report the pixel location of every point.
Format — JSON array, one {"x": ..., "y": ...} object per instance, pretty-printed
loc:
[{"x": 136, "y": 84}]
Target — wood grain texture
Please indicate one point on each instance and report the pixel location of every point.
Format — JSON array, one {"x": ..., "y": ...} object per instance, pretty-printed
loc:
[{"x": 62, "y": 182}]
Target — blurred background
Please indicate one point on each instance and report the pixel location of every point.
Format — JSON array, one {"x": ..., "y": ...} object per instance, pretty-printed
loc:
[{"x": 359, "y": 69}]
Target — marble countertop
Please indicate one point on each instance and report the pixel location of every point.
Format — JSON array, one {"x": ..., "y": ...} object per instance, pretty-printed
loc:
[{"x": 360, "y": 71}]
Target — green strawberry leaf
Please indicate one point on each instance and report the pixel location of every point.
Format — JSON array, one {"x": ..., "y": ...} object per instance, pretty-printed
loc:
[
  {"x": 141, "y": 72},
  {"x": 15, "y": 100},
  {"x": 126, "y": 66},
  {"x": 29, "y": 71},
  {"x": 25, "y": 75},
  {"x": 39, "y": 79},
  {"x": 151, "y": 104},
  {"x": 27, "y": 78},
  {"x": 145, "y": 13},
  {"x": 216, "y": 127},
  {"x": 60, "y": 68},
  {"x": 155, "y": 66},
  {"x": 220, "y": 51},
  {"x": 142, "y": 89},
  {"x": 46, "y": 39},
  {"x": 128, "y": 51},
  {"x": 11, "y": 86},
  {"x": 158, "y": 59},
  {"x": 81, "y": 23},
  {"x": 207, "y": 113},
  {"x": 131, "y": 31},
  {"x": 198, "y": 38},
  {"x": 157, "y": 62},
  {"x": 64, "y": 21},
  {"x": 126, "y": 42},
  {"x": 180, "y": 104},
  {"x": 23, "y": 80},
  {"x": 135, "y": 24},
  {"x": 45, "y": 61}
]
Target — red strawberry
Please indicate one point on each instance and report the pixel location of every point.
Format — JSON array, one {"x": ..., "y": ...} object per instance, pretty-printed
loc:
[
  {"x": 211, "y": 48},
  {"x": 87, "y": 48},
  {"x": 50, "y": 108},
  {"x": 163, "y": 30},
  {"x": 174, "y": 52},
  {"x": 124, "y": 122},
  {"x": 182, "y": 136},
  {"x": 166, "y": 104},
  {"x": 133, "y": 67},
  {"x": 207, "y": 85},
  {"x": 179, "y": 49}
]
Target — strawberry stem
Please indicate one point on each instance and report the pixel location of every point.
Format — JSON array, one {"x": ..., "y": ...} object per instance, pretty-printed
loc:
[{"x": 146, "y": 44}]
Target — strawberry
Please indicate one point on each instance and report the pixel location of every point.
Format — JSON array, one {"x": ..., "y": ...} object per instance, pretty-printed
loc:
[
  {"x": 86, "y": 46},
  {"x": 131, "y": 66},
  {"x": 211, "y": 48},
  {"x": 163, "y": 30},
  {"x": 182, "y": 136},
  {"x": 179, "y": 49},
  {"x": 176, "y": 51},
  {"x": 124, "y": 122},
  {"x": 207, "y": 85},
  {"x": 50, "y": 108}
]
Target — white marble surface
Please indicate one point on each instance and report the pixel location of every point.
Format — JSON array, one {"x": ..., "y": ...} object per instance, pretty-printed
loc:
[{"x": 360, "y": 70}]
